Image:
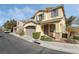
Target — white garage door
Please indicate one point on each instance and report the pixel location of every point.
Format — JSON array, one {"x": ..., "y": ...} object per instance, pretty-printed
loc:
[{"x": 30, "y": 30}]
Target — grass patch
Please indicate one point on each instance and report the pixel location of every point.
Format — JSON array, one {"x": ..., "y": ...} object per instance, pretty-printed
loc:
[
  {"x": 46, "y": 38},
  {"x": 76, "y": 37}
]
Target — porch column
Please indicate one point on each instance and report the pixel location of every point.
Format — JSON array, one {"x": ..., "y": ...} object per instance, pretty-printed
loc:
[
  {"x": 48, "y": 29},
  {"x": 39, "y": 29}
]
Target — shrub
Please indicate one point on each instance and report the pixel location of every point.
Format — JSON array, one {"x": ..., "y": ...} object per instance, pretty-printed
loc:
[
  {"x": 36, "y": 35},
  {"x": 76, "y": 37},
  {"x": 42, "y": 38},
  {"x": 46, "y": 38},
  {"x": 20, "y": 32}
]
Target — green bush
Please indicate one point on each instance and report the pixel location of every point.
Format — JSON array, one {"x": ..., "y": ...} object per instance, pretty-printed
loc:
[
  {"x": 42, "y": 38},
  {"x": 76, "y": 37},
  {"x": 46, "y": 38},
  {"x": 36, "y": 35}
]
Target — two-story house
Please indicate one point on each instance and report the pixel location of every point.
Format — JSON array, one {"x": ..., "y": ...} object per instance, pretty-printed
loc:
[{"x": 50, "y": 21}]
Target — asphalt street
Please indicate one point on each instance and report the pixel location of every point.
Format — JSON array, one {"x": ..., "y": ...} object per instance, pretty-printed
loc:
[{"x": 13, "y": 45}]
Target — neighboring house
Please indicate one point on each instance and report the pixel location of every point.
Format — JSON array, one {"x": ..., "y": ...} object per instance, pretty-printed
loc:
[
  {"x": 19, "y": 26},
  {"x": 50, "y": 21}
]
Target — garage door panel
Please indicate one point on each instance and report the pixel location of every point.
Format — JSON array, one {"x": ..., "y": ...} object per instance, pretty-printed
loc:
[{"x": 30, "y": 30}]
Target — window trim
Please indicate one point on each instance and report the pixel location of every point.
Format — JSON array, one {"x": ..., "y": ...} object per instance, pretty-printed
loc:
[
  {"x": 41, "y": 17},
  {"x": 53, "y": 27},
  {"x": 36, "y": 18},
  {"x": 54, "y": 13}
]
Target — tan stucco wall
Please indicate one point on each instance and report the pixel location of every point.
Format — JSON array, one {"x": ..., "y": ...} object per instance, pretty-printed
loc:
[
  {"x": 59, "y": 29},
  {"x": 39, "y": 29},
  {"x": 63, "y": 25},
  {"x": 47, "y": 15},
  {"x": 19, "y": 25},
  {"x": 29, "y": 24}
]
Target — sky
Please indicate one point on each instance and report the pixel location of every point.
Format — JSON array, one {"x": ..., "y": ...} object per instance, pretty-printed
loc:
[{"x": 25, "y": 11}]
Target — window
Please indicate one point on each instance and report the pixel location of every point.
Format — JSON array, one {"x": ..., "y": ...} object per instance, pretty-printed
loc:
[
  {"x": 52, "y": 27},
  {"x": 41, "y": 16},
  {"x": 36, "y": 18},
  {"x": 54, "y": 13}
]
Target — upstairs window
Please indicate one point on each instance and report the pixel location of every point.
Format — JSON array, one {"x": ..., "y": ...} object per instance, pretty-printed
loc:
[
  {"x": 36, "y": 18},
  {"x": 41, "y": 16},
  {"x": 54, "y": 13}
]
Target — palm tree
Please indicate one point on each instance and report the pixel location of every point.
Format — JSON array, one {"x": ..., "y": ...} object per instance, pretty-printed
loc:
[{"x": 70, "y": 20}]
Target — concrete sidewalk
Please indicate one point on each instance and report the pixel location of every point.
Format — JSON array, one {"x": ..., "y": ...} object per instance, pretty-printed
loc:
[{"x": 65, "y": 47}]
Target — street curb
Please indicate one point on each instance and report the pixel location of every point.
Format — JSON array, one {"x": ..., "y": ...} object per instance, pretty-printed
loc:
[{"x": 76, "y": 51}]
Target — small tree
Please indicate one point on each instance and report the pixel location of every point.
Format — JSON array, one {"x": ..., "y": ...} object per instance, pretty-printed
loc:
[
  {"x": 71, "y": 31},
  {"x": 70, "y": 20},
  {"x": 10, "y": 24},
  {"x": 69, "y": 28}
]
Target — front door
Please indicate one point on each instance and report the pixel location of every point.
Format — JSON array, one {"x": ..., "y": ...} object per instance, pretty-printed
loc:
[{"x": 46, "y": 29}]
